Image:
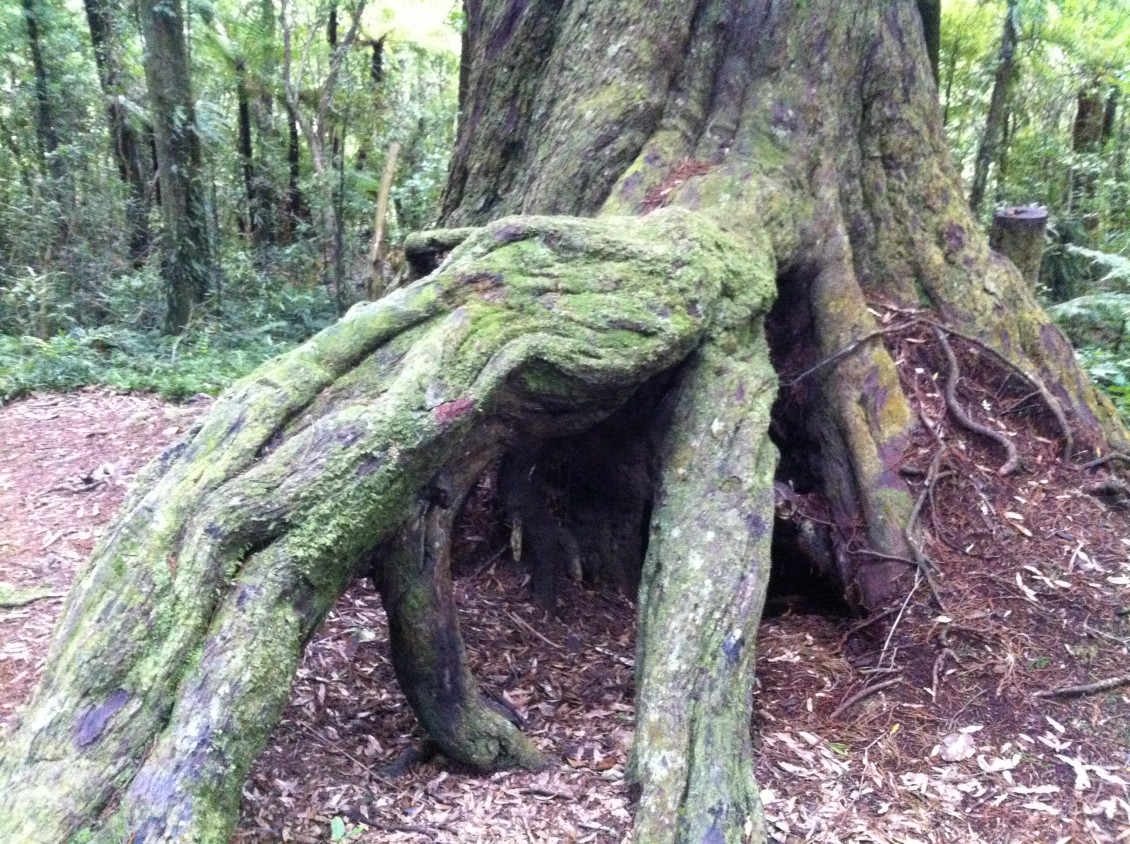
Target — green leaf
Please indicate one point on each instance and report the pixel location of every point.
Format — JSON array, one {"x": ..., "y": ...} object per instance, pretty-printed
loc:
[{"x": 337, "y": 829}]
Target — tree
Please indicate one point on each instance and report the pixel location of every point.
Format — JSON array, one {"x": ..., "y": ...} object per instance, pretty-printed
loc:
[
  {"x": 125, "y": 141},
  {"x": 186, "y": 254},
  {"x": 319, "y": 131},
  {"x": 997, "y": 119},
  {"x": 630, "y": 182},
  {"x": 46, "y": 134}
]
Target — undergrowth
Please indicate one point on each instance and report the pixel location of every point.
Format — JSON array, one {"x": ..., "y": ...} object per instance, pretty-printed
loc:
[{"x": 112, "y": 336}]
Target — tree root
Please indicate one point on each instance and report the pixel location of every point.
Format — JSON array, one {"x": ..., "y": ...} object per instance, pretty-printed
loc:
[
  {"x": 1038, "y": 387},
  {"x": 964, "y": 419},
  {"x": 13, "y": 597},
  {"x": 1102, "y": 461}
]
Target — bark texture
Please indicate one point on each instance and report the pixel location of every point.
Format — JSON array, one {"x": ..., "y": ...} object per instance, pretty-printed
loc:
[{"x": 714, "y": 165}]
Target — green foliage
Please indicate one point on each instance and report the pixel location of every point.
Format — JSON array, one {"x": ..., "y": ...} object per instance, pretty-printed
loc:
[{"x": 255, "y": 320}]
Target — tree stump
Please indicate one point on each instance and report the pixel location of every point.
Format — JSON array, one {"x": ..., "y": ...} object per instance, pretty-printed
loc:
[{"x": 1018, "y": 234}]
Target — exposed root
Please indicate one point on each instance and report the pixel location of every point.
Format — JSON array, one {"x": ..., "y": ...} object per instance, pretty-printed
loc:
[
  {"x": 1050, "y": 401},
  {"x": 964, "y": 419},
  {"x": 14, "y": 597},
  {"x": 1038, "y": 387},
  {"x": 1102, "y": 461}
]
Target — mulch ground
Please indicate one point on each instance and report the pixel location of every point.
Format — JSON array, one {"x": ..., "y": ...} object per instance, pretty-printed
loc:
[{"x": 946, "y": 739}]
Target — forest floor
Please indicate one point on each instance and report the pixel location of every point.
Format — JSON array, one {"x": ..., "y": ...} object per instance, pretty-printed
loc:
[{"x": 946, "y": 741}]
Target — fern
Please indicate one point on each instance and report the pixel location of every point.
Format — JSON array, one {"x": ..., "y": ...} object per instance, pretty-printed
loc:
[{"x": 1117, "y": 266}]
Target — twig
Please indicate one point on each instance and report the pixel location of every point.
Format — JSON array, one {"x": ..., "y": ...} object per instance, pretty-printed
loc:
[
  {"x": 863, "y": 695},
  {"x": 920, "y": 558},
  {"x": 898, "y": 618},
  {"x": 964, "y": 419},
  {"x": 532, "y": 630},
  {"x": 867, "y": 622},
  {"x": 939, "y": 663},
  {"x": 847, "y": 350},
  {"x": 1088, "y": 689}
]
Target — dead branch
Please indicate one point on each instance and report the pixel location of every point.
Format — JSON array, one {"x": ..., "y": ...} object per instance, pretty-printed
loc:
[
  {"x": 1088, "y": 689},
  {"x": 847, "y": 350},
  {"x": 964, "y": 419},
  {"x": 863, "y": 695}
]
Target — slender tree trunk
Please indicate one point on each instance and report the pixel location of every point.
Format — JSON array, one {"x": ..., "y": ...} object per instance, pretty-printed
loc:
[
  {"x": 1002, "y": 156},
  {"x": 246, "y": 153},
  {"x": 47, "y": 137},
  {"x": 998, "y": 105},
  {"x": 294, "y": 209},
  {"x": 126, "y": 145},
  {"x": 951, "y": 71},
  {"x": 1089, "y": 134},
  {"x": 186, "y": 254}
]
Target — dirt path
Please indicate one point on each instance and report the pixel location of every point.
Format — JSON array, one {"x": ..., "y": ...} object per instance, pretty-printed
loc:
[{"x": 1028, "y": 610}]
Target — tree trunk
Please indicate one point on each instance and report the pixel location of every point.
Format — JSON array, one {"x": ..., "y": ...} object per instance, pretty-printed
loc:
[
  {"x": 125, "y": 143},
  {"x": 186, "y": 255},
  {"x": 998, "y": 106},
  {"x": 248, "y": 225},
  {"x": 536, "y": 337},
  {"x": 46, "y": 134},
  {"x": 1088, "y": 136},
  {"x": 1018, "y": 234}
]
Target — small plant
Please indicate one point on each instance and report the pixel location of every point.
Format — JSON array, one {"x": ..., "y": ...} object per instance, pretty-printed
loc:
[{"x": 339, "y": 833}]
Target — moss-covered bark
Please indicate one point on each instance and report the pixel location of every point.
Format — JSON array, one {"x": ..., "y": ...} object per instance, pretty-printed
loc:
[{"x": 172, "y": 659}]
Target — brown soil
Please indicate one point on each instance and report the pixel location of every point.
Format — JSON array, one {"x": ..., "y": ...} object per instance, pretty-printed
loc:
[{"x": 1034, "y": 573}]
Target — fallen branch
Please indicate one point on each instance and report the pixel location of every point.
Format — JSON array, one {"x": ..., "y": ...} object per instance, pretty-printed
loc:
[
  {"x": 863, "y": 695},
  {"x": 964, "y": 419},
  {"x": 1088, "y": 689},
  {"x": 847, "y": 350}
]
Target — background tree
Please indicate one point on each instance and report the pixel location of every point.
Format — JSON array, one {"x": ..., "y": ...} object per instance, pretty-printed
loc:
[
  {"x": 134, "y": 168},
  {"x": 186, "y": 253}
]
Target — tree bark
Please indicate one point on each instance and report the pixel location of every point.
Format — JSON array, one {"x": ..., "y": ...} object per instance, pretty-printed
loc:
[
  {"x": 630, "y": 183},
  {"x": 126, "y": 146},
  {"x": 998, "y": 106},
  {"x": 186, "y": 256}
]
